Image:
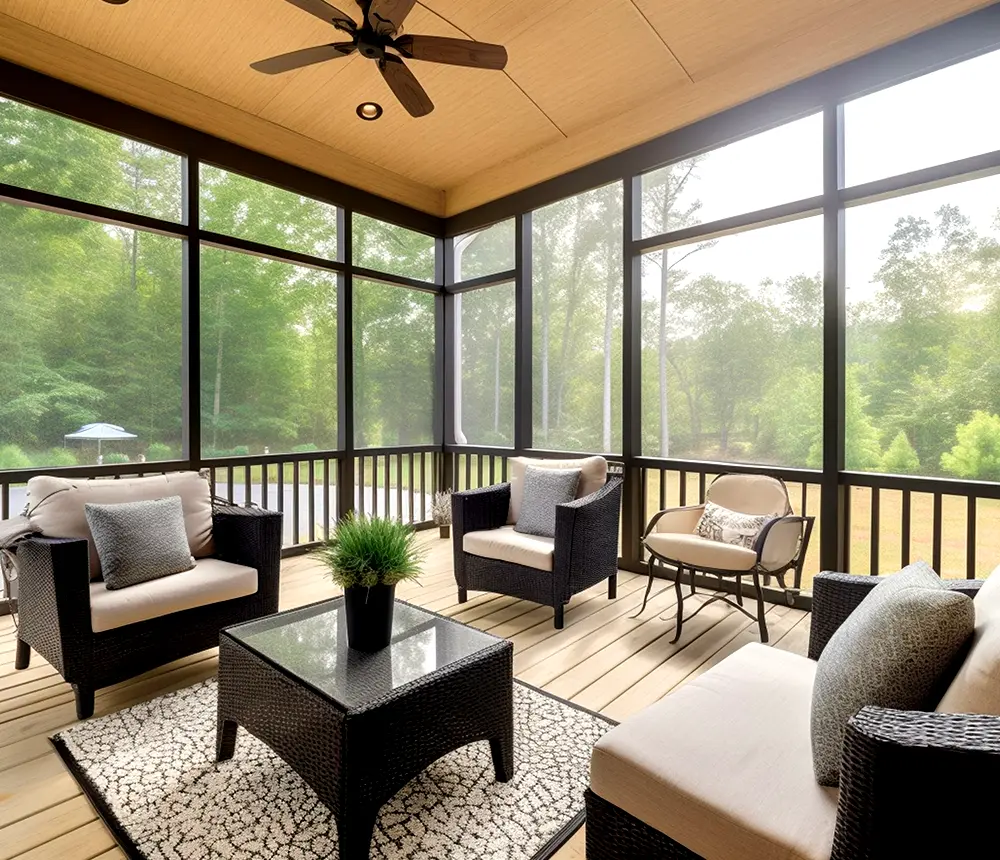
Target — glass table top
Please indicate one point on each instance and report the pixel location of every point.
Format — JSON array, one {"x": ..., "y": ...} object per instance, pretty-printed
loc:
[{"x": 311, "y": 644}]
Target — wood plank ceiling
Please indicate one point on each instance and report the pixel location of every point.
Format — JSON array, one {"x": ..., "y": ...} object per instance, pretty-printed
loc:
[{"x": 585, "y": 79}]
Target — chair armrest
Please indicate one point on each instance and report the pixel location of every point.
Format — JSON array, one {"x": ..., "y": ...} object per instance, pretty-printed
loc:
[
  {"x": 477, "y": 510},
  {"x": 675, "y": 520},
  {"x": 894, "y": 759},
  {"x": 53, "y": 600},
  {"x": 782, "y": 541},
  {"x": 586, "y": 542},
  {"x": 252, "y": 537},
  {"x": 837, "y": 595}
]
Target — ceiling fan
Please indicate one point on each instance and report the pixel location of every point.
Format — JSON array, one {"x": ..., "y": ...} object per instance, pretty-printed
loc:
[{"x": 374, "y": 37}]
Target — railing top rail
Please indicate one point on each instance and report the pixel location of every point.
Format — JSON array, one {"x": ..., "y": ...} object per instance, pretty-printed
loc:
[
  {"x": 920, "y": 484},
  {"x": 809, "y": 476}
]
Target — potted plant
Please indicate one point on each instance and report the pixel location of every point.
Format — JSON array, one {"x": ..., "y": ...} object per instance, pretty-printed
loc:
[
  {"x": 441, "y": 512},
  {"x": 367, "y": 556}
]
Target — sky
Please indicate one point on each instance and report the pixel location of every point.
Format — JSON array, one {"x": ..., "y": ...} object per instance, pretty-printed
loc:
[{"x": 940, "y": 117}]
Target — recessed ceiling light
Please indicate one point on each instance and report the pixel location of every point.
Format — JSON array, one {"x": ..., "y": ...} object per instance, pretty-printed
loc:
[{"x": 369, "y": 111}]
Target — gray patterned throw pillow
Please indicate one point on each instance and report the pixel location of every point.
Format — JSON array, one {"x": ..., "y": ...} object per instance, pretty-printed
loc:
[
  {"x": 725, "y": 526},
  {"x": 892, "y": 652},
  {"x": 543, "y": 490},
  {"x": 140, "y": 541}
]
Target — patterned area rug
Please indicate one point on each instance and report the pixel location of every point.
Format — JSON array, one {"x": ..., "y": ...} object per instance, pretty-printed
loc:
[{"x": 150, "y": 770}]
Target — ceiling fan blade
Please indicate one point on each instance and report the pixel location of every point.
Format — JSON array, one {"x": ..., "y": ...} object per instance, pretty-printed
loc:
[
  {"x": 406, "y": 87},
  {"x": 454, "y": 52},
  {"x": 303, "y": 57},
  {"x": 386, "y": 16},
  {"x": 325, "y": 12}
]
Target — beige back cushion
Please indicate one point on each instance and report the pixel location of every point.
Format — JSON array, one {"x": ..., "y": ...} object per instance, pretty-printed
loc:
[
  {"x": 750, "y": 494},
  {"x": 593, "y": 476},
  {"x": 56, "y": 506},
  {"x": 976, "y": 687}
]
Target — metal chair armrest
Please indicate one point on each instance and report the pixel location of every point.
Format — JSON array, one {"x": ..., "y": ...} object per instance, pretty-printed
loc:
[{"x": 684, "y": 514}]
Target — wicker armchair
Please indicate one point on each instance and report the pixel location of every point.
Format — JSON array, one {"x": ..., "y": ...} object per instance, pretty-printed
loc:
[
  {"x": 583, "y": 553},
  {"x": 891, "y": 759},
  {"x": 54, "y": 603}
]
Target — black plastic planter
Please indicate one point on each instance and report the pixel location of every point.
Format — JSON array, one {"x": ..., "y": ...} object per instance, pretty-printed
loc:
[{"x": 369, "y": 616}]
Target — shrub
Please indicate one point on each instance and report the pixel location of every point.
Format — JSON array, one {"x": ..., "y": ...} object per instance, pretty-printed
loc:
[
  {"x": 157, "y": 451},
  {"x": 55, "y": 458},
  {"x": 976, "y": 454},
  {"x": 114, "y": 459},
  {"x": 306, "y": 448},
  {"x": 900, "y": 458},
  {"x": 12, "y": 457},
  {"x": 370, "y": 551}
]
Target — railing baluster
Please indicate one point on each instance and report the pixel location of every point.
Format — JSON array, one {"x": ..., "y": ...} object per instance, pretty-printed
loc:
[
  {"x": 701, "y": 488},
  {"x": 846, "y": 546},
  {"x": 326, "y": 498},
  {"x": 247, "y": 485},
  {"x": 805, "y": 500},
  {"x": 683, "y": 488},
  {"x": 423, "y": 494},
  {"x": 387, "y": 488},
  {"x": 5, "y": 501},
  {"x": 230, "y": 484},
  {"x": 970, "y": 538},
  {"x": 412, "y": 484},
  {"x": 468, "y": 471},
  {"x": 493, "y": 466},
  {"x": 280, "y": 489},
  {"x": 263, "y": 484},
  {"x": 399, "y": 487},
  {"x": 375, "y": 485},
  {"x": 936, "y": 539},
  {"x": 905, "y": 529},
  {"x": 311, "y": 509},
  {"x": 361, "y": 485},
  {"x": 295, "y": 503},
  {"x": 503, "y": 470},
  {"x": 663, "y": 489},
  {"x": 875, "y": 529}
]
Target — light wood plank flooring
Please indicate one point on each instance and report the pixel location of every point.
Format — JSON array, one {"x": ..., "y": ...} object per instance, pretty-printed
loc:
[{"x": 604, "y": 659}]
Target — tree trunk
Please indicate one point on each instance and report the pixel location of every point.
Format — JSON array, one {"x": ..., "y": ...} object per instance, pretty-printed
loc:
[
  {"x": 220, "y": 309},
  {"x": 662, "y": 346},
  {"x": 609, "y": 326},
  {"x": 496, "y": 386}
]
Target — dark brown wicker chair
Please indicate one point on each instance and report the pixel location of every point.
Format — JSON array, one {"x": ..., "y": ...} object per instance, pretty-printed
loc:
[
  {"x": 54, "y": 607},
  {"x": 585, "y": 550},
  {"x": 891, "y": 759}
]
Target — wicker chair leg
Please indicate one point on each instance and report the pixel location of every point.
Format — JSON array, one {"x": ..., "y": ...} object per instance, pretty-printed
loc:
[
  {"x": 680, "y": 603},
  {"x": 559, "y": 617},
  {"x": 760, "y": 607},
  {"x": 463, "y": 595},
  {"x": 23, "y": 656},
  {"x": 612, "y": 586},
  {"x": 84, "y": 701}
]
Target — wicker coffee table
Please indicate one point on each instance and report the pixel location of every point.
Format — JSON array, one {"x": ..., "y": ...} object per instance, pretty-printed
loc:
[{"x": 357, "y": 727}]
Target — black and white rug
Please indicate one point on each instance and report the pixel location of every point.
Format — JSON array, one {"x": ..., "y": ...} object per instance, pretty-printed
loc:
[{"x": 150, "y": 770}]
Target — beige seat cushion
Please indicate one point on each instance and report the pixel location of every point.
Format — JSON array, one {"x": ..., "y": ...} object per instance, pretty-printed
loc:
[
  {"x": 56, "y": 506},
  {"x": 211, "y": 580},
  {"x": 701, "y": 552},
  {"x": 976, "y": 687},
  {"x": 506, "y": 544},
  {"x": 723, "y": 764},
  {"x": 593, "y": 476}
]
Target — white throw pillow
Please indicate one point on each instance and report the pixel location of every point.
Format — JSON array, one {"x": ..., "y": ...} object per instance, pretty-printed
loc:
[{"x": 975, "y": 689}]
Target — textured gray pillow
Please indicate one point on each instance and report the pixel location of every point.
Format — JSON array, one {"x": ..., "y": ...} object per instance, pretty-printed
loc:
[
  {"x": 543, "y": 490},
  {"x": 891, "y": 652},
  {"x": 140, "y": 541}
]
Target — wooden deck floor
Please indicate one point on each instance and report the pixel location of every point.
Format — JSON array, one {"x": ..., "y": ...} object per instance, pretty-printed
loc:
[{"x": 604, "y": 659}]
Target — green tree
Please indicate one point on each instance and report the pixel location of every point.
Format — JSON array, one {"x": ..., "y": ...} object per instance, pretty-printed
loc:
[
  {"x": 900, "y": 458},
  {"x": 976, "y": 453}
]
